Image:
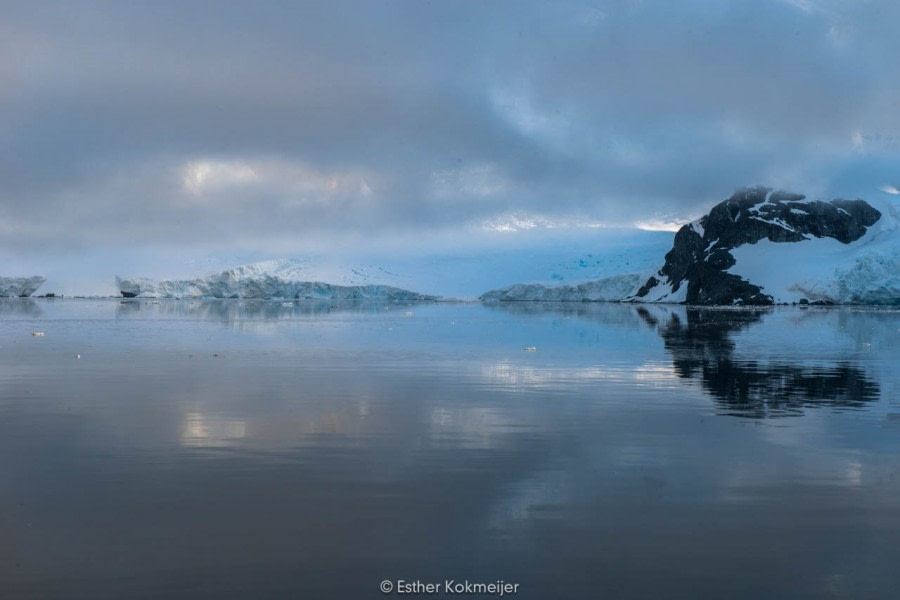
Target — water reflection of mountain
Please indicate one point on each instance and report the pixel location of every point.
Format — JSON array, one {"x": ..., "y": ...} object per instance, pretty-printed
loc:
[
  {"x": 606, "y": 313},
  {"x": 701, "y": 345},
  {"x": 233, "y": 310}
]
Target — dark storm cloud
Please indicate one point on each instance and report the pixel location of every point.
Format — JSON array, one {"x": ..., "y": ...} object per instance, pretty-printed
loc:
[{"x": 250, "y": 123}]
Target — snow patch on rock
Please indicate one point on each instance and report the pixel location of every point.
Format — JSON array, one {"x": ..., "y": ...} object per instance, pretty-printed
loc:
[{"x": 866, "y": 271}]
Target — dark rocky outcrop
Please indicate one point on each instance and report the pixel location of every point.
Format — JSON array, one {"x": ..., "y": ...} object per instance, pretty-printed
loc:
[{"x": 695, "y": 271}]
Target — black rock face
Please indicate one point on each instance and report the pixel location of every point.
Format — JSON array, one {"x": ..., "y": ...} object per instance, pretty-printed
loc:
[{"x": 700, "y": 255}]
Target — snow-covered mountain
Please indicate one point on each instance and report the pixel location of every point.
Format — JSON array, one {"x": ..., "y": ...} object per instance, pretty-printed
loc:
[
  {"x": 762, "y": 247},
  {"x": 20, "y": 287},
  {"x": 269, "y": 279}
]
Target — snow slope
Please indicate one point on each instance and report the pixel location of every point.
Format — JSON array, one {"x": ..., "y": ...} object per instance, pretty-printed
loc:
[{"x": 866, "y": 271}]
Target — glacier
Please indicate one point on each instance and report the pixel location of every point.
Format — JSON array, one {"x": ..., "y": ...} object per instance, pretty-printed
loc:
[
  {"x": 20, "y": 287},
  {"x": 268, "y": 279},
  {"x": 437, "y": 265},
  {"x": 608, "y": 289}
]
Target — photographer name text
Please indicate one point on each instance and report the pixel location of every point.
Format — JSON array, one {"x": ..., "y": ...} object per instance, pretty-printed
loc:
[{"x": 449, "y": 587}]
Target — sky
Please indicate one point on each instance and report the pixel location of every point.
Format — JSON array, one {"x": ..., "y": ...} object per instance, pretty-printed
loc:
[{"x": 159, "y": 137}]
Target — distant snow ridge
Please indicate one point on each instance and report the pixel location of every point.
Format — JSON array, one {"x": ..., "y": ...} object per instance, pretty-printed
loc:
[
  {"x": 270, "y": 279},
  {"x": 764, "y": 247},
  {"x": 609, "y": 289},
  {"x": 20, "y": 287}
]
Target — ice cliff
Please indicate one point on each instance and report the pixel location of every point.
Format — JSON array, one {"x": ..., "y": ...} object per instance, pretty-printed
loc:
[
  {"x": 270, "y": 279},
  {"x": 20, "y": 286}
]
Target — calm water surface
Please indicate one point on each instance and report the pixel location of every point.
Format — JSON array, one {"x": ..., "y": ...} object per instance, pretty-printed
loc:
[{"x": 299, "y": 450}]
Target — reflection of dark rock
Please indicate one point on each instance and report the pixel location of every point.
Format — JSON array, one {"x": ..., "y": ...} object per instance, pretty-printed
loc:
[
  {"x": 700, "y": 256},
  {"x": 701, "y": 348}
]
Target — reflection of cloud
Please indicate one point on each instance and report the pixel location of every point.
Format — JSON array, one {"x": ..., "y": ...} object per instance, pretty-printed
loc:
[
  {"x": 853, "y": 472},
  {"x": 302, "y": 425},
  {"x": 541, "y": 493},
  {"x": 199, "y": 430},
  {"x": 749, "y": 480},
  {"x": 511, "y": 375},
  {"x": 476, "y": 428}
]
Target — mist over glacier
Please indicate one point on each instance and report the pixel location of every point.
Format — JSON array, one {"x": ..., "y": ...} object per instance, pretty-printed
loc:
[{"x": 442, "y": 267}]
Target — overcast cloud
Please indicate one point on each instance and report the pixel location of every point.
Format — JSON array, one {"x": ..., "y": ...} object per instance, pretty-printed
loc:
[{"x": 278, "y": 126}]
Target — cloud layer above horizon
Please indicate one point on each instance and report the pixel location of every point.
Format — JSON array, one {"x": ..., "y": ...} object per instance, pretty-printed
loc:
[{"x": 285, "y": 125}]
